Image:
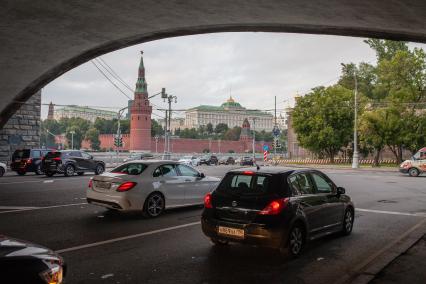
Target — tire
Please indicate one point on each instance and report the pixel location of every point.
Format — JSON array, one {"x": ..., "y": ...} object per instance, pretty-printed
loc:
[
  {"x": 38, "y": 170},
  {"x": 413, "y": 172},
  {"x": 219, "y": 242},
  {"x": 80, "y": 173},
  {"x": 2, "y": 171},
  {"x": 99, "y": 169},
  {"x": 21, "y": 172},
  {"x": 69, "y": 170},
  {"x": 348, "y": 222},
  {"x": 295, "y": 242},
  {"x": 154, "y": 205},
  {"x": 49, "y": 174}
]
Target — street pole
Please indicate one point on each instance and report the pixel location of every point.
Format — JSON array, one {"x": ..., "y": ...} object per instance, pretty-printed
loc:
[
  {"x": 72, "y": 139},
  {"x": 355, "y": 161},
  {"x": 254, "y": 139},
  {"x": 275, "y": 125}
]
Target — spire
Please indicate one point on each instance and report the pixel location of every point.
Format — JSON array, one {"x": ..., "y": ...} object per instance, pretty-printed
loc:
[{"x": 141, "y": 86}]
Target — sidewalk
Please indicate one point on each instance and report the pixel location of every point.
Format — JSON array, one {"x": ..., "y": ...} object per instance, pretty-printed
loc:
[{"x": 409, "y": 267}]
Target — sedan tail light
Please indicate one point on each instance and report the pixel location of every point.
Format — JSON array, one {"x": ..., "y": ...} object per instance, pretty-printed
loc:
[
  {"x": 275, "y": 207},
  {"x": 208, "y": 201},
  {"x": 29, "y": 161},
  {"x": 56, "y": 159},
  {"x": 90, "y": 183},
  {"x": 125, "y": 186}
]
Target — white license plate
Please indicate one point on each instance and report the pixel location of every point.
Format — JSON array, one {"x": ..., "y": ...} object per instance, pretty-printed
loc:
[
  {"x": 103, "y": 184},
  {"x": 47, "y": 161},
  {"x": 226, "y": 231}
]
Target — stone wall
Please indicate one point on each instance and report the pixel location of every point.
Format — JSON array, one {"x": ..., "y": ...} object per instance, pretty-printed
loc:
[{"x": 22, "y": 130}]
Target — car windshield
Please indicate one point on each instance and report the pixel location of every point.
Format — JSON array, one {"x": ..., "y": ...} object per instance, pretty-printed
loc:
[
  {"x": 246, "y": 184},
  {"x": 21, "y": 154},
  {"x": 130, "y": 169}
]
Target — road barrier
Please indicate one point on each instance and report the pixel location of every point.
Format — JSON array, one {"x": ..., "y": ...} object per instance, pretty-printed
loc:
[{"x": 327, "y": 161}]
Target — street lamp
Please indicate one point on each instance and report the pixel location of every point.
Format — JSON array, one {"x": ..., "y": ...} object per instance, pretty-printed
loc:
[
  {"x": 254, "y": 138},
  {"x": 355, "y": 157},
  {"x": 72, "y": 139}
]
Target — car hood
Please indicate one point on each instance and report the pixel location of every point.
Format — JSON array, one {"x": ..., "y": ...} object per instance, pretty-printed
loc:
[{"x": 10, "y": 247}]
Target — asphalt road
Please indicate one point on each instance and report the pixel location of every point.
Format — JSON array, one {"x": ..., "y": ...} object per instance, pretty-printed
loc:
[{"x": 104, "y": 247}]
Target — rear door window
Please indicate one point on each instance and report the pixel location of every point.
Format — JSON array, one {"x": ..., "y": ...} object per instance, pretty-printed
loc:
[
  {"x": 36, "y": 154},
  {"x": 165, "y": 171},
  {"x": 323, "y": 186},
  {"x": 187, "y": 171},
  {"x": 130, "y": 169},
  {"x": 301, "y": 184}
]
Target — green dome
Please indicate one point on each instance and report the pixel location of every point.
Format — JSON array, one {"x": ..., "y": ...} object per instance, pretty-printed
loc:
[{"x": 230, "y": 103}]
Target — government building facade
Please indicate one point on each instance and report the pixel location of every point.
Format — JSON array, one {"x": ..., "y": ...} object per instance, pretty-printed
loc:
[{"x": 230, "y": 113}]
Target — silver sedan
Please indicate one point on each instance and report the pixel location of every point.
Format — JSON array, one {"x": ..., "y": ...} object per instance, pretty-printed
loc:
[{"x": 150, "y": 186}]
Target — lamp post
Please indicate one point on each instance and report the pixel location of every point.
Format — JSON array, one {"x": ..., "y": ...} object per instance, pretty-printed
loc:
[
  {"x": 72, "y": 139},
  {"x": 254, "y": 138}
]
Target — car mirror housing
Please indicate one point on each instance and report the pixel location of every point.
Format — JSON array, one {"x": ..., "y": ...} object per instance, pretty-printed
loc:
[{"x": 340, "y": 190}]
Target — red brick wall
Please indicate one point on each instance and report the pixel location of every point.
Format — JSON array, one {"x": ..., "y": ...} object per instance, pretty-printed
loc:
[{"x": 182, "y": 145}]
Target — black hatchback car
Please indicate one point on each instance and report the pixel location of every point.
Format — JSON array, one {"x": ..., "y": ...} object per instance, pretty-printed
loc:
[
  {"x": 68, "y": 162},
  {"x": 276, "y": 207},
  {"x": 209, "y": 160},
  {"x": 27, "y": 160}
]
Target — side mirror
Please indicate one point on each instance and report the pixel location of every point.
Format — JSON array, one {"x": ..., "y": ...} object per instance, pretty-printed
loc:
[
  {"x": 202, "y": 175},
  {"x": 340, "y": 190},
  {"x": 91, "y": 157}
]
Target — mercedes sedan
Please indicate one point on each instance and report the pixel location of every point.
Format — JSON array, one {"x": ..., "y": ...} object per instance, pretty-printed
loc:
[{"x": 150, "y": 186}]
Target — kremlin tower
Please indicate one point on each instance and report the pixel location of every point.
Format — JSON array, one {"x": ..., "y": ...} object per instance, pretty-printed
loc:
[{"x": 140, "y": 115}]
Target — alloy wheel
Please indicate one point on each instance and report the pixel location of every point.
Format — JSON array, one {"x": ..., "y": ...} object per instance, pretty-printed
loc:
[
  {"x": 348, "y": 221},
  {"x": 99, "y": 169},
  {"x": 155, "y": 205},
  {"x": 296, "y": 241},
  {"x": 413, "y": 172},
  {"x": 69, "y": 171}
]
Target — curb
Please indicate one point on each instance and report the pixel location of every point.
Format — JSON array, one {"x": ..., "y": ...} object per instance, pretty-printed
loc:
[
  {"x": 366, "y": 271},
  {"x": 384, "y": 170}
]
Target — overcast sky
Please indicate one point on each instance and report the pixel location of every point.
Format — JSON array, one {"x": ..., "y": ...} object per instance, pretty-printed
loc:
[{"x": 206, "y": 69}]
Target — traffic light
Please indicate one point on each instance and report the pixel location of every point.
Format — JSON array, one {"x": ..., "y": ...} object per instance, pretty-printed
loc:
[{"x": 118, "y": 141}]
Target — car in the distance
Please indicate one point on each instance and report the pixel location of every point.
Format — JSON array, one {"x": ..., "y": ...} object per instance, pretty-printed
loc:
[
  {"x": 27, "y": 160},
  {"x": 150, "y": 186},
  {"x": 226, "y": 161},
  {"x": 209, "y": 160},
  {"x": 139, "y": 156},
  {"x": 24, "y": 262},
  {"x": 246, "y": 161},
  {"x": 189, "y": 160},
  {"x": 69, "y": 162},
  {"x": 415, "y": 166},
  {"x": 3, "y": 169},
  {"x": 276, "y": 207}
]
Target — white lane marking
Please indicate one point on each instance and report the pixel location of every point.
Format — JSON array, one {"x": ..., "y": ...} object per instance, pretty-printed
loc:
[
  {"x": 48, "y": 181},
  {"x": 420, "y": 214},
  {"x": 16, "y": 182},
  {"x": 127, "y": 237},
  {"x": 44, "y": 181},
  {"x": 46, "y": 207},
  {"x": 16, "y": 207}
]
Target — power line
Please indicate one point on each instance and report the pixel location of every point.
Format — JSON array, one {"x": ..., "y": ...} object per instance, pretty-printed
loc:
[
  {"x": 108, "y": 68},
  {"x": 118, "y": 88}
]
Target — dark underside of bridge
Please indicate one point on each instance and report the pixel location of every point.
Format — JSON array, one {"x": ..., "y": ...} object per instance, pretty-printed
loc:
[{"x": 40, "y": 40}]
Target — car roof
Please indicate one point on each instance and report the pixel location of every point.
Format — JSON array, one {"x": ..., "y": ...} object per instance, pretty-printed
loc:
[
  {"x": 152, "y": 162},
  {"x": 272, "y": 170}
]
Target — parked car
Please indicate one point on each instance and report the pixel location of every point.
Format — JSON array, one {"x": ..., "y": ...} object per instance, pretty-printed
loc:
[
  {"x": 139, "y": 156},
  {"x": 27, "y": 160},
  {"x": 226, "y": 161},
  {"x": 190, "y": 160},
  {"x": 416, "y": 165},
  {"x": 276, "y": 207},
  {"x": 150, "y": 186},
  {"x": 24, "y": 262},
  {"x": 69, "y": 162},
  {"x": 246, "y": 161},
  {"x": 209, "y": 160},
  {"x": 3, "y": 169}
]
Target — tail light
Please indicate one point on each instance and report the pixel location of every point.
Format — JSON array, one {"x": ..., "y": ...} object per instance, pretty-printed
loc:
[
  {"x": 29, "y": 161},
  {"x": 90, "y": 183},
  {"x": 208, "y": 201},
  {"x": 248, "y": 173},
  {"x": 56, "y": 159},
  {"x": 275, "y": 207},
  {"x": 125, "y": 186}
]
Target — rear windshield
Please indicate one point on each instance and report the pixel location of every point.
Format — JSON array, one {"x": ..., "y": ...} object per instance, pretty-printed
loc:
[
  {"x": 130, "y": 169},
  {"x": 51, "y": 155},
  {"x": 247, "y": 184},
  {"x": 21, "y": 154}
]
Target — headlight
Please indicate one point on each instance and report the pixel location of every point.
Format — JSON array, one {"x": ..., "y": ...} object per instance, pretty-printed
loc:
[{"x": 53, "y": 275}]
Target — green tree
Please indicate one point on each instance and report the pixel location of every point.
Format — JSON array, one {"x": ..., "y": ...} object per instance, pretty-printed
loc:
[
  {"x": 323, "y": 120},
  {"x": 209, "y": 128},
  {"x": 47, "y": 139},
  {"x": 157, "y": 129},
  {"x": 93, "y": 136},
  {"x": 232, "y": 134},
  {"x": 79, "y": 126},
  {"x": 221, "y": 128}
]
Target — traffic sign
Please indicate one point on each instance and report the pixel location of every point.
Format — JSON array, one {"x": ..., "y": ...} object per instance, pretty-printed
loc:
[
  {"x": 276, "y": 131},
  {"x": 265, "y": 147}
]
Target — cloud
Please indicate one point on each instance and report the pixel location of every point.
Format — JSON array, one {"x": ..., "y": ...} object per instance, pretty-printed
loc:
[{"x": 205, "y": 69}]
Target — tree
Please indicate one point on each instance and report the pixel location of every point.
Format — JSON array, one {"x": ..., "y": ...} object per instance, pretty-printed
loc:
[
  {"x": 209, "y": 128},
  {"x": 79, "y": 126},
  {"x": 93, "y": 136},
  {"x": 47, "y": 139},
  {"x": 232, "y": 134},
  {"x": 221, "y": 128},
  {"x": 323, "y": 120},
  {"x": 157, "y": 129}
]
